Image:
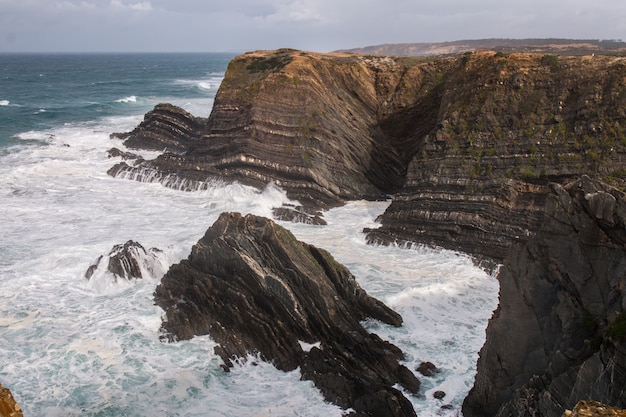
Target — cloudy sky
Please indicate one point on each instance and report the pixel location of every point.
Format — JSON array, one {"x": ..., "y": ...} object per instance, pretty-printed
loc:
[{"x": 319, "y": 25}]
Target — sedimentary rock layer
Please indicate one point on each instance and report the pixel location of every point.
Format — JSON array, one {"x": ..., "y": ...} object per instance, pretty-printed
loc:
[
  {"x": 466, "y": 144},
  {"x": 256, "y": 289},
  {"x": 559, "y": 333}
]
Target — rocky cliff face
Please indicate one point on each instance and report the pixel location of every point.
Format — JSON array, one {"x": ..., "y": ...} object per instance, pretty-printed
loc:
[
  {"x": 466, "y": 144},
  {"x": 256, "y": 289},
  {"x": 506, "y": 126},
  {"x": 326, "y": 128},
  {"x": 559, "y": 333}
]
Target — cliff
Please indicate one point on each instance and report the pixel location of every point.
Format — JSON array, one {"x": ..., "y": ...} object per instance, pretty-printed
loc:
[
  {"x": 325, "y": 127},
  {"x": 507, "y": 125},
  {"x": 256, "y": 289},
  {"x": 559, "y": 332},
  {"x": 467, "y": 144}
]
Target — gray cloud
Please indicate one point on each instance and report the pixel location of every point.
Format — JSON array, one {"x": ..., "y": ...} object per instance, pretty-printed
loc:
[{"x": 323, "y": 25}]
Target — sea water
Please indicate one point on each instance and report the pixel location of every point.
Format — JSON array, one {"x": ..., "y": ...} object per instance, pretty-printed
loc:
[{"x": 70, "y": 346}]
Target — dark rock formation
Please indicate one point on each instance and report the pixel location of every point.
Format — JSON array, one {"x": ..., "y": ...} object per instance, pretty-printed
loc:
[
  {"x": 559, "y": 333},
  {"x": 166, "y": 128},
  {"x": 427, "y": 369},
  {"x": 129, "y": 261},
  {"x": 8, "y": 406},
  {"x": 256, "y": 289}
]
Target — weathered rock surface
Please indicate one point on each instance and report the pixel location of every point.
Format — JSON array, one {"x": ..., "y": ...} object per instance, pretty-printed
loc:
[
  {"x": 129, "y": 261},
  {"x": 165, "y": 128},
  {"x": 8, "y": 406},
  {"x": 467, "y": 144},
  {"x": 559, "y": 332},
  {"x": 594, "y": 409},
  {"x": 325, "y": 127},
  {"x": 255, "y": 289},
  {"x": 506, "y": 126}
]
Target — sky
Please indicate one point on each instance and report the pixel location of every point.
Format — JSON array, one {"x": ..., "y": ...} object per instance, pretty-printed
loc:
[{"x": 314, "y": 25}]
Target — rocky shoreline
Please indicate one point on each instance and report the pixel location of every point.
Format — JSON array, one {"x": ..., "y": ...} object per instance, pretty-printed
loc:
[{"x": 515, "y": 159}]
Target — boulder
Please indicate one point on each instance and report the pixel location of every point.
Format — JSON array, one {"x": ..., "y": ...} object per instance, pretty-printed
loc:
[{"x": 255, "y": 289}]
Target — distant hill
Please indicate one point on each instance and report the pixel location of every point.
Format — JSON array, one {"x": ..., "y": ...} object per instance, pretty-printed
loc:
[{"x": 539, "y": 46}]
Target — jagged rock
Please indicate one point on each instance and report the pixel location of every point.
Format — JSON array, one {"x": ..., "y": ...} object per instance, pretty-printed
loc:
[
  {"x": 165, "y": 128},
  {"x": 594, "y": 409},
  {"x": 559, "y": 332},
  {"x": 129, "y": 261},
  {"x": 8, "y": 406},
  {"x": 254, "y": 288}
]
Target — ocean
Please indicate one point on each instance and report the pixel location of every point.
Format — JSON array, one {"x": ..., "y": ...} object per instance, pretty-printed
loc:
[{"x": 76, "y": 347}]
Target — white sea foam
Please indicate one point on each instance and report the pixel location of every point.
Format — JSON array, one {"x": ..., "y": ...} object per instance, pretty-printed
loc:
[
  {"x": 129, "y": 99},
  {"x": 86, "y": 348}
]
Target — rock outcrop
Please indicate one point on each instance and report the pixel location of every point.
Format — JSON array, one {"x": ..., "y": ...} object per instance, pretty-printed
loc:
[
  {"x": 559, "y": 332},
  {"x": 129, "y": 261},
  {"x": 257, "y": 290},
  {"x": 467, "y": 144},
  {"x": 594, "y": 409},
  {"x": 8, "y": 406}
]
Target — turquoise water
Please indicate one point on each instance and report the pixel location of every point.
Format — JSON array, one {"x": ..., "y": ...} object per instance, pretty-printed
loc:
[
  {"x": 76, "y": 347},
  {"x": 42, "y": 91}
]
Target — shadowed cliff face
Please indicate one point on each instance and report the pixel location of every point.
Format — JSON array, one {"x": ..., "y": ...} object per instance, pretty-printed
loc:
[
  {"x": 467, "y": 144},
  {"x": 559, "y": 332},
  {"x": 256, "y": 289}
]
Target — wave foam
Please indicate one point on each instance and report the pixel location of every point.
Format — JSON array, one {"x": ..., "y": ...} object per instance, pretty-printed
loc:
[{"x": 129, "y": 99}]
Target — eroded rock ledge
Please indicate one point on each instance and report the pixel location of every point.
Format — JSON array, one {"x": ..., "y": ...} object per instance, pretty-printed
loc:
[
  {"x": 559, "y": 333},
  {"x": 256, "y": 289},
  {"x": 467, "y": 144}
]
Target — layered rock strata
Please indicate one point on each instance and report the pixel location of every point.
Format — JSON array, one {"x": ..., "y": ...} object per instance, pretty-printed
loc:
[
  {"x": 467, "y": 144},
  {"x": 507, "y": 125},
  {"x": 559, "y": 332},
  {"x": 256, "y": 289},
  {"x": 326, "y": 128}
]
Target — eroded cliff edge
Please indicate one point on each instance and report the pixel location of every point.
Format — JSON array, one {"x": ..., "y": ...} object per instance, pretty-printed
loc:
[
  {"x": 467, "y": 145},
  {"x": 559, "y": 333}
]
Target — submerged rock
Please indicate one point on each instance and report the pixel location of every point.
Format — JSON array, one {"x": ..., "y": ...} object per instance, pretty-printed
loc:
[
  {"x": 254, "y": 288},
  {"x": 559, "y": 332}
]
